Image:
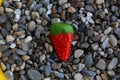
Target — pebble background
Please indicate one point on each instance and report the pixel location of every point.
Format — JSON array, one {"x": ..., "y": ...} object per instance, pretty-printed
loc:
[{"x": 26, "y": 50}]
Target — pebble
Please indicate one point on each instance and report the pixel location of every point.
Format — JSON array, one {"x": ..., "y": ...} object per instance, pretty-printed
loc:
[
  {"x": 75, "y": 3},
  {"x": 89, "y": 1},
  {"x": 3, "y": 48},
  {"x": 108, "y": 30},
  {"x": 99, "y": 1},
  {"x": 47, "y": 78},
  {"x": 47, "y": 70},
  {"x": 20, "y": 52},
  {"x": 95, "y": 46},
  {"x": 3, "y": 18},
  {"x": 80, "y": 67},
  {"x": 117, "y": 31},
  {"x": 61, "y": 2},
  {"x": 2, "y": 66},
  {"x": 59, "y": 74},
  {"x": 9, "y": 38},
  {"x": 113, "y": 40},
  {"x": 31, "y": 26},
  {"x": 105, "y": 43},
  {"x": 88, "y": 61},
  {"x": 28, "y": 39},
  {"x": 55, "y": 20},
  {"x": 112, "y": 63},
  {"x": 25, "y": 47},
  {"x": 104, "y": 76},
  {"x": 101, "y": 64},
  {"x": 66, "y": 5},
  {"x": 1, "y": 10},
  {"x": 111, "y": 73},
  {"x": 25, "y": 57},
  {"x": 5, "y": 3},
  {"x": 17, "y": 15},
  {"x": 35, "y": 15},
  {"x": 89, "y": 8},
  {"x": 88, "y": 72},
  {"x": 33, "y": 74},
  {"x": 9, "y": 75},
  {"x": 42, "y": 57},
  {"x": 78, "y": 53},
  {"x": 78, "y": 76},
  {"x": 85, "y": 45},
  {"x": 71, "y": 9},
  {"x": 42, "y": 10},
  {"x": 9, "y": 10}
]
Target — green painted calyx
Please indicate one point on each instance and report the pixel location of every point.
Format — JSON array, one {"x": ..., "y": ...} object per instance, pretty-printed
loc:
[{"x": 58, "y": 28}]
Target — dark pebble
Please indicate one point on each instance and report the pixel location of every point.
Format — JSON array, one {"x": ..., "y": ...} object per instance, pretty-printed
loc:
[
  {"x": 88, "y": 72},
  {"x": 90, "y": 33},
  {"x": 7, "y": 53},
  {"x": 113, "y": 18},
  {"x": 76, "y": 61},
  {"x": 20, "y": 52},
  {"x": 88, "y": 61},
  {"x": 4, "y": 32},
  {"x": 116, "y": 77},
  {"x": 3, "y": 48},
  {"x": 117, "y": 31},
  {"x": 8, "y": 26},
  {"x": 19, "y": 61},
  {"x": 82, "y": 37},
  {"x": 3, "y": 18}
]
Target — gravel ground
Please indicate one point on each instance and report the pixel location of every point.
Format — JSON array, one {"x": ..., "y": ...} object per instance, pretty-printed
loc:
[{"x": 26, "y": 50}]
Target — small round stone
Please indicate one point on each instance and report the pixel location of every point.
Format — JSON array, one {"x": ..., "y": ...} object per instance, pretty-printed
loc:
[
  {"x": 13, "y": 45},
  {"x": 9, "y": 38},
  {"x": 99, "y": 1},
  {"x": 78, "y": 76},
  {"x": 9, "y": 75},
  {"x": 78, "y": 53},
  {"x": 71, "y": 9},
  {"x": 31, "y": 26},
  {"x": 101, "y": 64},
  {"x": 113, "y": 40}
]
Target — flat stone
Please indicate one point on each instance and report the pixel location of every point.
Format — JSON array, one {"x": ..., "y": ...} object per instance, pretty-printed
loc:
[
  {"x": 117, "y": 31},
  {"x": 80, "y": 67},
  {"x": 1, "y": 10},
  {"x": 25, "y": 47},
  {"x": 3, "y": 48},
  {"x": 71, "y": 9},
  {"x": 20, "y": 52},
  {"x": 61, "y": 2},
  {"x": 112, "y": 63},
  {"x": 99, "y": 1},
  {"x": 59, "y": 74},
  {"x": 78, "y": 76},
  {"x": 88, "y": 72},
  {"x": 66, "y": 5},
  {"x": 9, "y": 75},
  {"x": 34, "y": 75},
  {"x": 105, "y": 43},
  {"x": 113, "y": 40},
  {"x": 28, "y": 39},
  {"x": 47, "y": 70},
  {"x": 89, "y": 1},
  {"x": 25, "y": 57},
  {"x": 78, "y": 53},
  {"x": 9, "y": 38},
  {"x": 101, "y": 64},
  {"x": 108, "y": 30}
]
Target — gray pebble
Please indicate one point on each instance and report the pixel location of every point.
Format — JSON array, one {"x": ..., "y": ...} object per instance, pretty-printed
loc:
[
  {"x": 61, "y": 2},
  {"x": 42, "y": 10},
  {"x": 95, "y": 46},
  {"x": 105, "y": 43},
  {"x": 90, "y": 33},
  {"x": 20, "y": 52},
  {"x": 3, "y": 48},
  {"x": 88, "y": 72},
  {"x": 80, "y": 67},
  {"x": 112, "y": 63},
  {"x": 7, "y": 53},
  {"x": 34, "y": 75},
  {"x": 78, "y": 76},
  {"x": 5, "y": 3},
  {"x": 89, "y": 8},
  {"x": 47, "y": 70},
  {"x": 89, "y": 1},
  {"x": 117, "y": 31},
  {"x": 31, "y": 26},
  {"x": 3, "y": 18},
  {"x": 25, "y": 47},
  {"x": 113, "y": 40},
  {"x": 101, "y": 64},
  {"x": 88, "y": 61},
  {"x": 9, "y": 75},
  {"x": 59, "y": 74}
]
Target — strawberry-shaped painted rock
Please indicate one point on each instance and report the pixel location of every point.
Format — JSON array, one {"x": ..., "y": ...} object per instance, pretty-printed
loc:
[{"x": 62, "y": 35}]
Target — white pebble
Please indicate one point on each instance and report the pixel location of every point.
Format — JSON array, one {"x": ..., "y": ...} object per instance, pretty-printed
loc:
[
  {"x": 17, "y": 15},
  {"x": 78, "y": 53},
  {"x": 28, "y": 39},
  {"x": 78, "y": 76},
  {"x": 99, "y": 1},
  {"x": 13, "y": 45}
]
